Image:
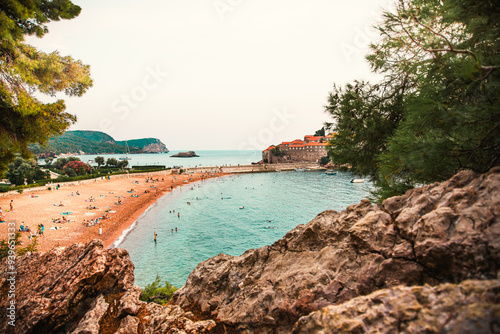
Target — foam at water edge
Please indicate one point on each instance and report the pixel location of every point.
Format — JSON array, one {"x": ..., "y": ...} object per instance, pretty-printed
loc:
[{"x": 129, "y": 229}]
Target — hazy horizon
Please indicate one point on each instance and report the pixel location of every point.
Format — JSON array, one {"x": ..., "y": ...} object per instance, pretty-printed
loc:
[{"x": 221, "y": 74}]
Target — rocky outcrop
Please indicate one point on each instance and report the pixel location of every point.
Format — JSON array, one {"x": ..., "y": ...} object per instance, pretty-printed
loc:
[
  {"x": 470, "y": 307},
  {"x": 189, "y": 154},
  {"x": 427, "y": 262},
  {"x": 446, "y": 232},
  {"x": 155, "y": 148},
  {"x": 84, "y": 289}
]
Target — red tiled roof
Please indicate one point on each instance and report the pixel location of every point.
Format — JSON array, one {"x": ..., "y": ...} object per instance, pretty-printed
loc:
[
  {"x": 313, "y": 138},
  {"x": 298, "y": 141},
  {"x": 316, "y": 144},
  {"x": 285, "y": 143},
  {"x": 269, "y": 148},
  {"x": 297, "y": 146}
]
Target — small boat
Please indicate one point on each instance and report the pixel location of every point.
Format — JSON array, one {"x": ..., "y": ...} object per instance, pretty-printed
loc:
[
  {"x": 357, "y": 181},
  {"x": 330, "y": 172},
  {"x": 127, "y": 151},
  {"x": 242, "y": 207}
]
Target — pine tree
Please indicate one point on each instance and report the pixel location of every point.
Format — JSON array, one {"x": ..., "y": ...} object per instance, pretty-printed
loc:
[
  {"x": 24, "y": 70},
  {"x": 441, "y": 60}
]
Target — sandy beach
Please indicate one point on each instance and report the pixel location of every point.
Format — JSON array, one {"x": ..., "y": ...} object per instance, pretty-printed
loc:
[{"x": 81, "y": 203}]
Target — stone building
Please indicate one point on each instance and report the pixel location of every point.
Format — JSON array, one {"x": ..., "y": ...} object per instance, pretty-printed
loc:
[{"x": 311, "y": 149}]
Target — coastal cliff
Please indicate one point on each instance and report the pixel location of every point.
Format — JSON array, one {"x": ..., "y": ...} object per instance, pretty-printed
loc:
[{"x": 427, "y": 261}]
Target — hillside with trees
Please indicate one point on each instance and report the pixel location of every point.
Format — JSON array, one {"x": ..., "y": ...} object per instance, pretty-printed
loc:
[{"x": 95, "y": 142}]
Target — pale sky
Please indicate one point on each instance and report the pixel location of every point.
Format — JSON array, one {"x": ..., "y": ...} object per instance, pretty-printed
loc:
[{"x": 214, "y": 74}]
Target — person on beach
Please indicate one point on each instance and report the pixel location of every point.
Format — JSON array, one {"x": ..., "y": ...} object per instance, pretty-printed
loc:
[
  {"x": 155, "y": 236},
  {"x": 42, "y": 228},
  {"x": 11, "y": 204},
  {"x": 178, "y": 215}
]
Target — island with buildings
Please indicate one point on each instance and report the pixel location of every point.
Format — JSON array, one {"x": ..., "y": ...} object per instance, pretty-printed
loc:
[{"x": 311, "y": 149}]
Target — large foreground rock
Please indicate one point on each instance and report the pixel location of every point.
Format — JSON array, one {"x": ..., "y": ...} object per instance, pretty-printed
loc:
[
  {"x": 84, "y": 289},
  {"x": 471, "y": 307},
  {"x": 446, "y": 232},
  {"x": 425, "y": 262}
]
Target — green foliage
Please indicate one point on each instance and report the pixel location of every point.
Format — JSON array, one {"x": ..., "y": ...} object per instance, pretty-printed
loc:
[
  {"x": 320, "y": 132},
  {"x": 324, "y": 160},
  {"x": 140, "y": 143},
  {"x": 4, "y": 246},
  {"x": 90, "y": 142},
  {"x": 21, "y": 170},
  {"x": 436, "y": 111},
  {"x": 122, "y": 164},
  {"x": 112, "y": 162},
  {"x": 74, "y": 168},
  {"x": 365, "y": 119},
  {"x": 97, "y": 136},
  {"x": 99, "y": 161},
  {"x": 156, "y": 293},
  {"x": 276, "y": 151},
  {"x": 61, "y": 162},
  {"x": 26, "y": 71}
]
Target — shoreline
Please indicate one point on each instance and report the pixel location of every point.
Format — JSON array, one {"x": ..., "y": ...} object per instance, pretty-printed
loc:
[
  {"x": 220, "y": 171},
  {"x": 40, "y": 207},
  {"x": 128, "y": 223}
]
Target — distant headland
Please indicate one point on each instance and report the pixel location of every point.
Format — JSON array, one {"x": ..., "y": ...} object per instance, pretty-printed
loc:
[
  {"x": 189, "y": 154},
  {"x": 96, "y": 142}
]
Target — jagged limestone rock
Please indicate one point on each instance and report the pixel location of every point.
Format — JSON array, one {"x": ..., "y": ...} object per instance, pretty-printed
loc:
[
  {"x": 444, "y": 232},
  {"x": 427, "y": 261},
  {"x": 469, "y": 307}
]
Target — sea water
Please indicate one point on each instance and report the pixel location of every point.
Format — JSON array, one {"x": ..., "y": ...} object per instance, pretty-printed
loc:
[
  {"x": 205, "y": 158},
  {"x": 230, "y": 215}
]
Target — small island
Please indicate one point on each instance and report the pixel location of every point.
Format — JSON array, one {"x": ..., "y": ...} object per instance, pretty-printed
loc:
[{"x": 190, "y": 154}]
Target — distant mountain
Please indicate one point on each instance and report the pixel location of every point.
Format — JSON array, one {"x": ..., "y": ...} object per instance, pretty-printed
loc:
[
  {"x": 97, "y": 136},
  {"x": 95, "y": 142}
]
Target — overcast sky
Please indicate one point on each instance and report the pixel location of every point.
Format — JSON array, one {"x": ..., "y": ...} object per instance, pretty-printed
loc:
[{"x": 214, "y": 74}]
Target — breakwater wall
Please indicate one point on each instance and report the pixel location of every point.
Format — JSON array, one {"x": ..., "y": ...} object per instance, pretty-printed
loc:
[{"x": 264, "y": 168}]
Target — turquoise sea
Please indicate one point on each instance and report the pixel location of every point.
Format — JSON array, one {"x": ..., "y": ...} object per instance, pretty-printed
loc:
[{"x": 229, "y": 215}]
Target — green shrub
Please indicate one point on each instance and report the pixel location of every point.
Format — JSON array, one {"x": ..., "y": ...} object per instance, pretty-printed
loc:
[
  {"x": 324, "y": 160},
  {"x": 4, "y": 246},
  {"x": 155, "y": 293}
]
